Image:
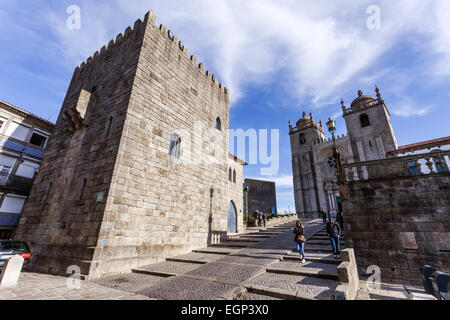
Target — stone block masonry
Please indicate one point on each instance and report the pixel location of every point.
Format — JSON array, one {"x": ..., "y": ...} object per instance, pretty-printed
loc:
[
  {"x": 397, "y": 218},
  {"x": 109, "y": 197}
]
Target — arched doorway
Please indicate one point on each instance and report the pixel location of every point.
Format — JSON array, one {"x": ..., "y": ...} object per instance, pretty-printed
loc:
[{"x": 232, "y": 218}]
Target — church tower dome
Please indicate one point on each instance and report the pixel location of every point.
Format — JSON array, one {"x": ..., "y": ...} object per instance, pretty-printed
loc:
[
  {"x": 369, "y": 127},
  {"x": 362, "y": 100}
]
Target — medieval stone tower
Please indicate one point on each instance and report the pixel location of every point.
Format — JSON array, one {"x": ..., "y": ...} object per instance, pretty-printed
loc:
[
  {"x": 369, "y": 126},
  {"x": 303, "y": 137},
  {"x": 137, "y": 168},
  {"x": 370, "y": 137}
]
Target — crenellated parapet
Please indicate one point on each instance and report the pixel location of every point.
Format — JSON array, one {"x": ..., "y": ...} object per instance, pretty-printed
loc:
[
  {"x": 330, "y": 140},
  {"x": 139, "y": 28}
]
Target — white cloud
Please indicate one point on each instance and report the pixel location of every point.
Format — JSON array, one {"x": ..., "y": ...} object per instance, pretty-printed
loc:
[
  {"x": 407, "y": 108},
  {"x": 281, "y": 181},
  {"x": 320, "y": 48}
]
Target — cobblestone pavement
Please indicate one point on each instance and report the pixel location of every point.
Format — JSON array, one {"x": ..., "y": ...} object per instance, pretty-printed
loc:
[
  {"x": 219, "y": 272},
  {"x": 231, "y": 273},
  {"x": 34, "y": 286}
]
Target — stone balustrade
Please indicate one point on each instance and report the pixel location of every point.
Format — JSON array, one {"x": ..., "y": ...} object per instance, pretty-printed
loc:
[
  {"x": 361, "y": 107},
  {"x": 408, "y": 166}
]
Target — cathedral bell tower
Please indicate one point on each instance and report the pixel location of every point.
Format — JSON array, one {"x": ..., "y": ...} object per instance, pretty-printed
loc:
[
  {"x": 369, "y": 126},
  {"x": 303, "y": 136}
]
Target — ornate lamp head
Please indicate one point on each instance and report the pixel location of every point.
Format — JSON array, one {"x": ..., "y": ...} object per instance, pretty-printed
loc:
[{"x": 331, "y": 124}]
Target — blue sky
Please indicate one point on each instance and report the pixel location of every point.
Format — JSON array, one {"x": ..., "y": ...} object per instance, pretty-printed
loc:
[{"x": 279, "y": 58}]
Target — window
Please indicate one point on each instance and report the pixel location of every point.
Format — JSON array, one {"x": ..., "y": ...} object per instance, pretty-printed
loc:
[
  {"x": 440, "y": 165},
  {"x": 365, "y": 122},
  {"x": 38, "y": 139},
  {"x": 413, "y": 168},
  {"x": 2, "y": 122},
  {"x": 17, "y": 131},
  {"x": 175, "y": 146},
  {"x": 218, "y": 124},
  {"x": 47, "y": 196},
  {"x": 6, "y": 165},
  {"x": 5, "y": 234},
  {"x": 27, "y": 169},
  {"x": 230, "y": 173},
  {"x": 82, "y": 190},
  {"x": 12, "y": 204},
  {"x": 109, "y": 126},
  {"x": 234, "y": 176},
  {"x": 302, "y": 138},
  {"x": 332, "y": 162}
]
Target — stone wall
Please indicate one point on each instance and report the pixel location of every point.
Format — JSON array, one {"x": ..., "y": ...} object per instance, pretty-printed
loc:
[
  {"x": 62, "y": 218},
  {"x": 109, "y": 196},
  {"x": 303, "y": 137},
  {"x": 397, "y": 219},
  {"x": 261, "y": 196},
  {"x": 235, "y": 190}
]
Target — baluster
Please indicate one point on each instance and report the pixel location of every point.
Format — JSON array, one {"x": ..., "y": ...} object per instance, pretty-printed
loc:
[{"x": 429, "y": 164}]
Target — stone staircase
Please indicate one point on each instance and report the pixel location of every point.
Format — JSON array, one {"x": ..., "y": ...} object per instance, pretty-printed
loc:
[{"x": 258, "y": 265}]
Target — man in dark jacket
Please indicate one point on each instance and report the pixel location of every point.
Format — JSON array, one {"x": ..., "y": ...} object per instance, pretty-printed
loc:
[
  {"x": 324, "y": 216},
  {"x": 334, "y": 233},
  {"x": 340, "y": 220}
]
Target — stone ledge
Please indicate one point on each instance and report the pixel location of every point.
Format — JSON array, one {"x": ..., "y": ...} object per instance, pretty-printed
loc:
[{"x": 348, "y": 277}]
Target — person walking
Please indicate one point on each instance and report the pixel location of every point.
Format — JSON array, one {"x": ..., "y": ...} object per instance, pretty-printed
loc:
[
  {"x": 264, "y": 217},
  {"x": 324, "y": 215},
  {"x": 259, "y": 218},
  {"x": 334, "y": 233},
  {"x": 340, "y": 220},
  {"x": 300, "y": 240}
]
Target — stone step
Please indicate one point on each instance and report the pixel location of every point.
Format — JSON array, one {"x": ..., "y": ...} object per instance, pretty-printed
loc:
[
  {"x": 167, "y": 268},
  {"x": 196, "y": 257},
  {"x": 243, "y": 240},
  {"x": 130, "y": 282},
  {"x": 316, "y": 248},
  {"x": 254, "y": 296},
  {"x": 292, "y": 287},
  {"x": 256, "y": 236},
  {"x": 319, "y": 242},
  {"x": 270, "y": 233},
  {"x": 217, "y": 250},
  {"x": 308, "y": 269},
  {"x": 231, "y": 244},
  {"x": 321, "y": 258}
]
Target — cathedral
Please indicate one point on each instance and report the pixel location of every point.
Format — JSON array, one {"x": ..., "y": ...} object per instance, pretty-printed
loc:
[{"x": 370, "y": 136}]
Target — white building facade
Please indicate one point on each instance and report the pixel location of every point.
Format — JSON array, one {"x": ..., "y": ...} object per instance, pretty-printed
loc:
[{"x": 23, "y": 139}]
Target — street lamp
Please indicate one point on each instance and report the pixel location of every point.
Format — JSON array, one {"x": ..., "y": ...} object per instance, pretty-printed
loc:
[
  {"x": 331, "y": 124},
  {"x": 246, "y": 190}
]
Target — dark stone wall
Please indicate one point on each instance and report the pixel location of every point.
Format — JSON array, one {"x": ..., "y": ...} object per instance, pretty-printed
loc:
[
  {"x": 61, "y": 219},
  {"x": 109, "y": 197},
  {"x": 399, "y": 224},
  {"x": 261, "y": 196}
]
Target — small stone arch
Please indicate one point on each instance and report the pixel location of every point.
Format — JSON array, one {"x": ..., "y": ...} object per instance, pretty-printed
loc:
[
  {"x": 218, "y": 124},
  {"x": 232, "y": 217},
  {"x": 365, "y": 121}
]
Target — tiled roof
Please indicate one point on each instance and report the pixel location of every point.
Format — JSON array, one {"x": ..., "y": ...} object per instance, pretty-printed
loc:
[
  {"x": 235, "y": 158},
  {"x": 424, "y": 143},
  {"x": 20, "y": 110}
]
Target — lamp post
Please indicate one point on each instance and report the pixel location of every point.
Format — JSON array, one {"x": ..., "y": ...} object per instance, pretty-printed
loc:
[
  {"x": 331, "y": 124},
  {"x": 246, "y": 189}
]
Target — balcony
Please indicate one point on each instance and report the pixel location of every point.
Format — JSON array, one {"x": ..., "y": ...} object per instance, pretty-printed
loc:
[
  {"x": 17, "y": 183},
  {"x": 434, "y": 163}
]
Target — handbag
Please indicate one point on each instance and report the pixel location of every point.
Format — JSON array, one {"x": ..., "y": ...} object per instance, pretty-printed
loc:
[{"x": 301, "y": 239}]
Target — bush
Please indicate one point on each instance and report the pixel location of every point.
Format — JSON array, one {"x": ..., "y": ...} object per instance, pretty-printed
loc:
[{"x": 251, "y": 221}]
